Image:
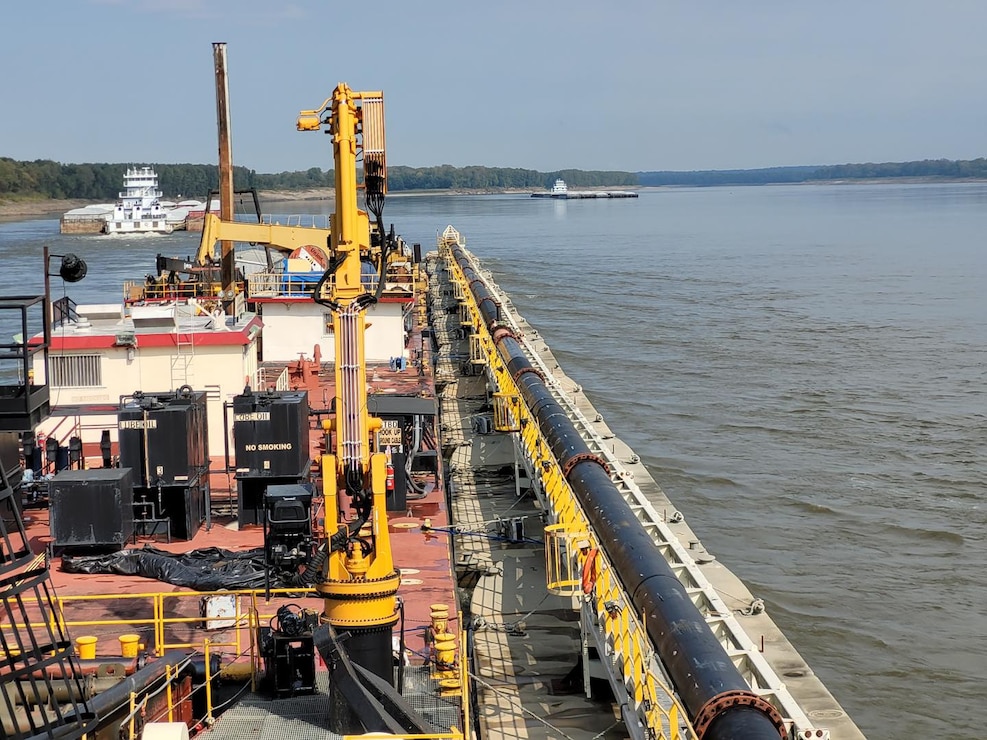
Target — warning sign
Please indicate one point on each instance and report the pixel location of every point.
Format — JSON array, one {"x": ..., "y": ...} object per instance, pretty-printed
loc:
[{"x": 389, "y": 434}]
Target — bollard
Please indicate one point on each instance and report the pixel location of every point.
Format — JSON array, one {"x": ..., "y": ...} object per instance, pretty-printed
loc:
[
  {"x": 445, "y": 649},
  {"x": 440, "y": 617}
]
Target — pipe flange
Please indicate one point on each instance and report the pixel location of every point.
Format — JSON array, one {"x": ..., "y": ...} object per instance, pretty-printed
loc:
[
  {"x": 721, "y": 702},
  {"x": 499, "y": 332},
  {"x": 529, "y": 369},
  {"x": 582, "y": 457},
  {"x": 370, "y": 596}
]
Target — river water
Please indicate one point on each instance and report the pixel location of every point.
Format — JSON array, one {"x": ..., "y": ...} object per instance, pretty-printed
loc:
[{"x": 803, "y": 370}]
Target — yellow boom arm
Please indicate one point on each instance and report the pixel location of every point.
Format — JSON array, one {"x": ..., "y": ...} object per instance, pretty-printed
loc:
[{"x": 283, "y": 238}]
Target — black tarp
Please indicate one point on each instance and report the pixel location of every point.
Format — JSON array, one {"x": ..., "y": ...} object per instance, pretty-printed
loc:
[{"x": 206, "y": 569}]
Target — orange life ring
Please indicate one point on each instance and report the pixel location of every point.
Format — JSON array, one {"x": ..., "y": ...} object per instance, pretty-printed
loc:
[{"x": 589, "y": 571}]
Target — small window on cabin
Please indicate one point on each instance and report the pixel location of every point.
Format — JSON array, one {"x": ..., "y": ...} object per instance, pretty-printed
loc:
[{"x": 327, "y": 324}]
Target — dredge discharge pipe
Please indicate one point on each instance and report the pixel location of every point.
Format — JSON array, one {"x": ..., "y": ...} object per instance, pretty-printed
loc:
[{"x": 720, "y": 704}]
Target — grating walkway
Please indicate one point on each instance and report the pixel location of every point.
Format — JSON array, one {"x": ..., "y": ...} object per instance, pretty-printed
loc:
[
  {"x": 306, "y": 717},
  {"x": 292, "y": 718}
]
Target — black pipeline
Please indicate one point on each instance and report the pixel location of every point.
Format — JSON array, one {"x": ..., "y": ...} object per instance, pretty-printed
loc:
[{"x": 719, "y": 702}]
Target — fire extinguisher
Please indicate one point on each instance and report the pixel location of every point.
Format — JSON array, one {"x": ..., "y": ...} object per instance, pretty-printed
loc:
[{"x": 389, "y": 479}]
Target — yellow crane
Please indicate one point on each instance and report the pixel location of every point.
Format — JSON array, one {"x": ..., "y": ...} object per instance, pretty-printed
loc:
[
  {"x": 359, "y": 582},
  {"x": 353, "y": 569}
]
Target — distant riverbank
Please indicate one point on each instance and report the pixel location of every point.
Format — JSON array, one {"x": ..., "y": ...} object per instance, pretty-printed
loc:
[
  {"x": 17, "y": 209},
  {"x": 42, "y": 207}
]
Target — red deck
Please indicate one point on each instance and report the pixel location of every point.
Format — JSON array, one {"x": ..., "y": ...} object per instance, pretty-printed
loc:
[{"x": 422, "y": 558}]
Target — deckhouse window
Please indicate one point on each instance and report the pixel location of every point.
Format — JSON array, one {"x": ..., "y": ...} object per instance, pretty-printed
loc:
[{"x": 75, "y": 371}]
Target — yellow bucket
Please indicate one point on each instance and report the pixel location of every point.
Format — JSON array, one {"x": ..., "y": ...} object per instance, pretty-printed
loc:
[
  {"x": 86, "y": 647},
  {"x": 129, "y": 645}
]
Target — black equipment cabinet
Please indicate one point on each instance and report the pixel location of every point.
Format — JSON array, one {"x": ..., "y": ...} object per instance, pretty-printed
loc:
[
  {"x": 11, "y": 508},
  {"x": 289, "y": 662},
  {"x": 288, "y": 648},
  {"x": 92, "y": 508},
  {"x": 164, "y": 438},
  {"x": 271, "y": 446},
  {"x": 250, "y": 495},
  {"x": 287, "y": 525}
]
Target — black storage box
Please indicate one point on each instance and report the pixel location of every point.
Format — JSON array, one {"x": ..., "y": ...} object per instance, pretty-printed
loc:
[
  {"x": 164, "y": 437},
  {"x": 92, "y": 508},
  {"x": 270, "y": 434}
]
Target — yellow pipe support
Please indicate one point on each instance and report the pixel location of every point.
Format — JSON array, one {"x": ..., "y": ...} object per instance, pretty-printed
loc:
[
  {"x": 209, "y": 717},
  {"x": 330, "y": 493},
  {"x": 168, "y": 696},
  {"x": 159, "y": 625},
  {"x": 133, "y": 714}
]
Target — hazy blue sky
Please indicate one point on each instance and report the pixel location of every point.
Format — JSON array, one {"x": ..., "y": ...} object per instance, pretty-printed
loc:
[{"x": 609, "y": 84}]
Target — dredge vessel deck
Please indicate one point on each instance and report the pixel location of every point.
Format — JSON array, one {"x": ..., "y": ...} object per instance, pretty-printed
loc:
[{"x": 490, "y": 559}]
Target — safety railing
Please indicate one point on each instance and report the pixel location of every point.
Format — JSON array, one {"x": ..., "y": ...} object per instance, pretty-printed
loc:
[
  {"x": 169, "y": 614},
  {"x": 304, "y": 220},
  {"x": 282, "y": 284},
  {"x": 272, "y": 378}
]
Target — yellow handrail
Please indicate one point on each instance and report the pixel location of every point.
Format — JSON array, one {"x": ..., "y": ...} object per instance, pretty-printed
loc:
[
  {"x": 625, "y": 635},
  {"x": 247, "y": 615}
]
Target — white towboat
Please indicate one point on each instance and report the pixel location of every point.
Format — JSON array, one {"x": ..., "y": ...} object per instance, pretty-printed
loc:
[{"x": 139, "y": 209}]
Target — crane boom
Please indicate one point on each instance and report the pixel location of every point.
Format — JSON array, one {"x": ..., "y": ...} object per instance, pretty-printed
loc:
[{"x": 283, "y": 238}]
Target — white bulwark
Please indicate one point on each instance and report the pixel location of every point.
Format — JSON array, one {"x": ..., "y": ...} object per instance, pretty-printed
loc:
[
  {"x": 293, "y": 321},
  {"x": 287, "y": 321}
]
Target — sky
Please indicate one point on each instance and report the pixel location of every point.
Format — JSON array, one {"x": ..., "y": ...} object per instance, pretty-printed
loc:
[{"x": 606, "y": 84}]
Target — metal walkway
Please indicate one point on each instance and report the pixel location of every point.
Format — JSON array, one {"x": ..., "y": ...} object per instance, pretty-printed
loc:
[{"x": 306, "y": 717}]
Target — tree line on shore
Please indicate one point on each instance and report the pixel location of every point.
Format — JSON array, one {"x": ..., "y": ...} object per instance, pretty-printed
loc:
[
  {"x": 102, "y": 181},
  {"x": 926, "y": 169}
]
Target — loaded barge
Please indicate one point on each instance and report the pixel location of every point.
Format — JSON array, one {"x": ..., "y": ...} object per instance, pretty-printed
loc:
[
  {"x": 370, "y": 501},
  {"x": 560, "y": 191}
]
